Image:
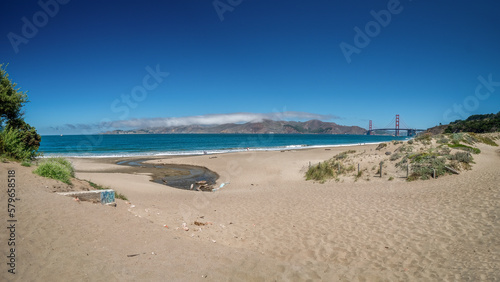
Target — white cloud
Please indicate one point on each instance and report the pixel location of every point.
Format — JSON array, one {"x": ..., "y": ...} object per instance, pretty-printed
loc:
[
  {"x": 211, "y": 119},
  {"x": 214, "y": 119}
]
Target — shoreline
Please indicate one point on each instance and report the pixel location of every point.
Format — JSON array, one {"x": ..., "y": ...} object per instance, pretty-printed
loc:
[{"x": 213, "y": 152}]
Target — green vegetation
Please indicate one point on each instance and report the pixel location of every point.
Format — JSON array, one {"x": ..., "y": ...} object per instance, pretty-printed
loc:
[
  {"x": 423, "y": 166},
  {"x": 476, "y": 123},
  {"x": 465, "y": 147},
  {"x": 56, "y": 168},
  {"x": 483, "y": 139},
  {"x": 11, "y": 146},
  {"x": 331, "y": 168},
  {"x": 18, "y": 140},
  {"x": 424, "y": 139},
  {"x": 442, "y": 139},
  {"x": 471, "y": 138},
  {"x": 26, "y": 163},
  {"x": 447, "y": 154}
]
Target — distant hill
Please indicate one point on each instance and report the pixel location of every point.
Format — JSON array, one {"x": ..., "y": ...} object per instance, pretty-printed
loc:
[
  {"x": 436, "y": 130},
  {"x": 266, "y": 126},
  {"x": 476, "y": 123}
]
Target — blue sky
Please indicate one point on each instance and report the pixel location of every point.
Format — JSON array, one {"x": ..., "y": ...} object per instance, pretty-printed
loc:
[{"x": 87, "y": 64}]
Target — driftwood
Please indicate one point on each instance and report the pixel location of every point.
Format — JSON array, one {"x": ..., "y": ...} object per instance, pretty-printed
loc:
[{"x": 452, "y": 170}]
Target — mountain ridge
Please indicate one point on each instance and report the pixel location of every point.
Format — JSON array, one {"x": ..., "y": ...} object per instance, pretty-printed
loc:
[{"x": 265, "y": 126}]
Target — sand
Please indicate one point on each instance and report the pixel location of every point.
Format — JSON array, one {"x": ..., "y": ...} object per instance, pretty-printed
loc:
[{"x": 266, "y": 224}]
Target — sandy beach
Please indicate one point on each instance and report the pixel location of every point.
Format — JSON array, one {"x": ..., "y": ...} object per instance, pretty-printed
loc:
[{"x": 266, "y": 224}]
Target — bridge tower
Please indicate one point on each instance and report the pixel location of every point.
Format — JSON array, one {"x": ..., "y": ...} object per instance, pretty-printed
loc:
[
  {"x": 370, "y": 128},
  {"x": 397, "y": 125}
]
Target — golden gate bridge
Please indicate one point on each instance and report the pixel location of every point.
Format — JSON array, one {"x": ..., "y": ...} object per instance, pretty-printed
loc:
[{"x": 394, "y": 125}]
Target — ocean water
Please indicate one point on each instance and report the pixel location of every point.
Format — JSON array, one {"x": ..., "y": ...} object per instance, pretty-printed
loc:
[{"x": 191, "y": 144}]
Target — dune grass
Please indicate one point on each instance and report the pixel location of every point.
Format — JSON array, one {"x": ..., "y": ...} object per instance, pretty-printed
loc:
[
  {"x": 56, "y": 168},
  {"x": 331, "y": 168}
]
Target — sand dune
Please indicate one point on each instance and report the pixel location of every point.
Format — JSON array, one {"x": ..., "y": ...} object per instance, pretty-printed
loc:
[{"x": 267, "y": 224}]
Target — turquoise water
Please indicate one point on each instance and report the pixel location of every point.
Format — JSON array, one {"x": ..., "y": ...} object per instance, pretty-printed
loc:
[{"x": 191, "y": 144}]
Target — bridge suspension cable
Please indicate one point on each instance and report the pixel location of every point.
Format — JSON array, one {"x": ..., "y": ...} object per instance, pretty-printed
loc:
[{"x": 391, "y": 124}]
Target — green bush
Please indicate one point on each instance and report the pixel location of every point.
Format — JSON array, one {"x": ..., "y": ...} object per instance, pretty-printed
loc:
[
  {"x": 18, "y": 140},
  {"x": 423, "y": 166},
  {"x": 11, "y": 145},
  {"x": 56, "y": 168}
]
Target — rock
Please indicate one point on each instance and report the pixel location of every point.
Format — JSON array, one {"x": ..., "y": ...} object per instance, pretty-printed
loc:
[{"x": 388, "y": 153}]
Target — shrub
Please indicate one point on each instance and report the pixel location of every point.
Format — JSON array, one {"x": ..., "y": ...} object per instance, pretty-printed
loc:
[
  {"x": 18, "y": 140},
  {"x": 456, "y": 138},
  {"x": 424, "y": 138},
  {"x": 381, "y": 146},
  {"x": 424, "y": 164},
  {"x": 462, "y": 157},
  {"x": 442, "y": 139},
  {"x": 443, "y": 151},
  {"x": 56, "y": 168},
  {"x": 395, "y": 156},
  {"x": 11, "y": 145}
]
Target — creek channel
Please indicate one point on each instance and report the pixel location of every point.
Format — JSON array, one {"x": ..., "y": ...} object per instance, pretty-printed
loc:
[{"x": 174, "y": 175}]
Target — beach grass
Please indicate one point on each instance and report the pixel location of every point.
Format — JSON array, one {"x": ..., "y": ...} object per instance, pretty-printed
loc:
[
  {"x": 56, "y": 168},
  {"x": 331, "y": 168}
]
